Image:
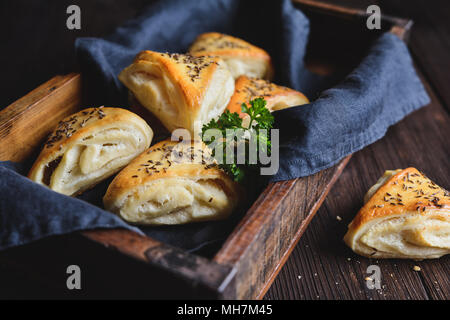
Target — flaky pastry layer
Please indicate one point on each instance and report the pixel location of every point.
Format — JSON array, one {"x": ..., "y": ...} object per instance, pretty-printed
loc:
[
  {"x": 277, "y": 97},
  {"x": 88, "y": 147},
  {"x": 241, "y": 57},
  {"x": 182, "y": 91},
  {"x": 172, "y": 183}
]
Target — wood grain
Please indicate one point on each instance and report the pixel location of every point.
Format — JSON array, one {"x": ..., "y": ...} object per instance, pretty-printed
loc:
[
  {"x": 260, "y": 244},
  {"x": 213, "y": 278},
  {"x": 321, "y": 266},
  {"x": 125, "y": 241},
  {"x": 26, "y": 123}
]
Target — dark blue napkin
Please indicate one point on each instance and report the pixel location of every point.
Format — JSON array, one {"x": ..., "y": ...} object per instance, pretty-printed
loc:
[
  {"x": 382, "y": 90},
  {"x": 29, "y": 211}
]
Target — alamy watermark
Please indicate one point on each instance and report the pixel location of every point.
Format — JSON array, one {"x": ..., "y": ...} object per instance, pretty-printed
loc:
[{"x": 73, "y": 21}]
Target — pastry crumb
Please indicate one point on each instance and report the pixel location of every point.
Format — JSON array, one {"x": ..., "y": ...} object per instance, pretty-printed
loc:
[
  {"x": 416, "y": 268},
  {"x": 338, "y": 218},
  {"x": 368, "y": 279}
]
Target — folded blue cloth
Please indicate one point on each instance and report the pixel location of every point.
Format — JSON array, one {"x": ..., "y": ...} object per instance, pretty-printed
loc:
[
  {"x": 382, "y": 90},
  {"x": 29, "y": 211}
]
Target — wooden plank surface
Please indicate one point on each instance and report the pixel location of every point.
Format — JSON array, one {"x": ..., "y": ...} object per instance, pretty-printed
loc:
[
  {"x": 322, "y": 267},
  {"x": 285, "y": 207},
  {"x": 28, "y": 121},
  {"x": 41, "y": 46},
  {"x": 264, "y": 238},
  {"x": 319, "y": 267}
]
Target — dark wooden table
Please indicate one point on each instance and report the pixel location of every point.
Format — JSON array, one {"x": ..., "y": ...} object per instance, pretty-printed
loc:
[{"x": 321, "y": 266}]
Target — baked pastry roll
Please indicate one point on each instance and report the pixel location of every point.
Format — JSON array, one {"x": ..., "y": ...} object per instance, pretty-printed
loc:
[
  {"x": 182, "y": 91},
  {"x": 241, "y": 57},
  {"x": 405, "y": 215},
  {"x": 172, "y": 183},
  {"x": 277, "y": 97},
  {"x": 88, "y": 147}
]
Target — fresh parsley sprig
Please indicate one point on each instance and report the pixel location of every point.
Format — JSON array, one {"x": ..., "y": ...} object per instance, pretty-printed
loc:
[{"x": 259, "y": 118}]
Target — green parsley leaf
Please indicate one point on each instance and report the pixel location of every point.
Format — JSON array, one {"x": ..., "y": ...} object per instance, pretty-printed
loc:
[{"x": 260, "y": 118}]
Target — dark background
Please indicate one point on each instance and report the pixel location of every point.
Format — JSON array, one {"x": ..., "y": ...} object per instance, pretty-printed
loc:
[{"x": 36, "y": 45}]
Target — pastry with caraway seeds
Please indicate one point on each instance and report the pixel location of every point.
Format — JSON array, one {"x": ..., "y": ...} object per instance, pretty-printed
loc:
[
  {"x": 405, "y": 215},
  {"x": 172, "y": 183},
  {"x": 88, "y": 147}
]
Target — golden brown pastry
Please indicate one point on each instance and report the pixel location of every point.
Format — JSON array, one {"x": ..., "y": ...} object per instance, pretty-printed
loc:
[
  {"x": 405, "y": 215},
  {"x": 277, "y": 97},
  {"x": 182, "y": 91},
  {"x": 88, "y": 147},
  {"x": 172, "y": 183},
  {"x": 241, "y": 57}
]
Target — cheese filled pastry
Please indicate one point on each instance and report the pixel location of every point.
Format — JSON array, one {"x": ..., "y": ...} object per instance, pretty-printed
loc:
[
  {"x": 277, "y": 97},
  {"x": 88, "y": 147},
  {"x": 182, "y": 91}
]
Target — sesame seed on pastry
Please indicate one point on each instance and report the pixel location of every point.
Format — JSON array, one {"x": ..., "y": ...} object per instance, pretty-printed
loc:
[
  {"x": 241, "y": 57},
  {"x": 172, "y": 183},
  {"x": 277, "y": 97},
  {"x": 405, "y": 215},
  {"x": 88, "y": 147}
]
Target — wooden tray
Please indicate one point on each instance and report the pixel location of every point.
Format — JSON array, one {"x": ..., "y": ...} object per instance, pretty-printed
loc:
[{"x": 253, "y": 254}]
